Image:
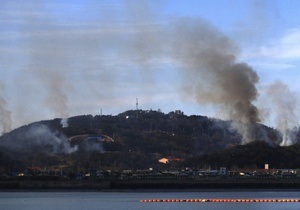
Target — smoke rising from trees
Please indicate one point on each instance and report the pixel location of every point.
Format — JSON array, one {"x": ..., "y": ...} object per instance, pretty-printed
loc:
[
  {"x": 5, "y": 114},
  {"x": 285, "y": 104},
  {"x": 39, "y": 137},
  {"x": 105, "y": 56},
  {"x": 207, "y": 59}
]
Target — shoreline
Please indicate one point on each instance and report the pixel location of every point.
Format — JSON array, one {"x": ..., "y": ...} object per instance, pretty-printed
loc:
[
  {"x": 149, "y": 185},
  {"x": 145, "y": 190}
]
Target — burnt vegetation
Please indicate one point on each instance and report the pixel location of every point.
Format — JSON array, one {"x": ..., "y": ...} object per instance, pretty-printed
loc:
[{"x": 137, "y": 140}]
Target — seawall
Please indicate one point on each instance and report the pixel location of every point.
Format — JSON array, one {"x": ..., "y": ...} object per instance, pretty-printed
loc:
[{"x": 148, "y": 184}]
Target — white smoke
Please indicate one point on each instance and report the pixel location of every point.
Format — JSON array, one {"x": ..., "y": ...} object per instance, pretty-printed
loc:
[
  {"x": 94, "y": 54},
  {"x": 41, "y": 136},
  {"x": 91, "y": 145},
  {"x": 5, "y": 114},
  {"x": 64, "y": 122},
  {"x": 284, "y": 103}
]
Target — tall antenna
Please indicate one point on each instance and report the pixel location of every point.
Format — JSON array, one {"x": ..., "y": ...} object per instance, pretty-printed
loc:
[{"x": 137, "y": 107}]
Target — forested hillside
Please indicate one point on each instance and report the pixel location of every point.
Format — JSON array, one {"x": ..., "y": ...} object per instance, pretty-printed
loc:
[{"x": 135, "y": 139}]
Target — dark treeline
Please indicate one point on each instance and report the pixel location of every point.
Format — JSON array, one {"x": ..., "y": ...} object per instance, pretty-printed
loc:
[{"x": 137, "y": 139}]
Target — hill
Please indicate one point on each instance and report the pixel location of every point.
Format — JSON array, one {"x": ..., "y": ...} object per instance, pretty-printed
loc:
[
  {"x": 134, "y": 140},
  {"x": 253, "y": 155}
]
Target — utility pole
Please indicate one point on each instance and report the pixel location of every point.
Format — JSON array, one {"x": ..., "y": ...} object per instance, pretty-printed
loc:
[{"x": 137, "y": 107}]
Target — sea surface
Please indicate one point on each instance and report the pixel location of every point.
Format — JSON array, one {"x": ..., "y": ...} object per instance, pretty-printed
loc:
[{"x": 131, "y": 200}]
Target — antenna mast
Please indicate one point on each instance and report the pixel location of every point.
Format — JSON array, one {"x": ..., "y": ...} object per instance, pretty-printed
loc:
[{"x": 137, "y": 107}]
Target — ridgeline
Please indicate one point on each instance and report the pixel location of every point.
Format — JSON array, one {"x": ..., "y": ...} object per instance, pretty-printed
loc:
[{"x": 138, "y": 139}]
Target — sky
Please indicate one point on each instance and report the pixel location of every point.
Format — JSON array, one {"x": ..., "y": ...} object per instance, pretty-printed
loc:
[{"x": 74, "y": 57}]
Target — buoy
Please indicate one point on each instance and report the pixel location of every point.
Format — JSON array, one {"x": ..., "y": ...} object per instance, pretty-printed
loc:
[{"x": 232, "y": 200}]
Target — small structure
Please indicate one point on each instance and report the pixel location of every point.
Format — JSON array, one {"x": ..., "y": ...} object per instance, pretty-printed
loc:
[
  {"x": 164, "y": 160},
  {"x": 223, "y": 171}
]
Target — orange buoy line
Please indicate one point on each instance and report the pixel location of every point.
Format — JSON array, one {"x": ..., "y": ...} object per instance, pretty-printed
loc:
[{"x": 219, "y": 200}]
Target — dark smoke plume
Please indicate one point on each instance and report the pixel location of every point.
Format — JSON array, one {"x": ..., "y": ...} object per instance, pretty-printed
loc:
[
  {"x": 104, "y": 55},
  {"x": 207, "y": 60}
]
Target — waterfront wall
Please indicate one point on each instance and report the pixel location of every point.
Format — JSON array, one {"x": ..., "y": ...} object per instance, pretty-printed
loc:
[
  {"x": 59, "y": 185},
  {"x": 184, "y": 184},
  {"x": 150, "y": 184}
]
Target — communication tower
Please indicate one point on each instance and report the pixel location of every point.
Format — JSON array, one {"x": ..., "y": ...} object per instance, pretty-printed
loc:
[{"x": 137, "y": 107}]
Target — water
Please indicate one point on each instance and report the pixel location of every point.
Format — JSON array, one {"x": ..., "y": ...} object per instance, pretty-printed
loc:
[{"x": 131, "y": 200}]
